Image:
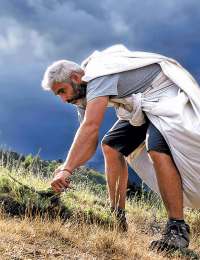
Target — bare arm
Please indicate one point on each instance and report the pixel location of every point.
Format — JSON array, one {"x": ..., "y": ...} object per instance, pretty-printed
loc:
[
  {"x": 86, "y": 138},
  {"x": 85, "y": 141}
]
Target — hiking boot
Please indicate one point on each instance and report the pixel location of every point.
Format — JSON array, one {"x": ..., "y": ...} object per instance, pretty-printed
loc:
[
  {"x": 175, "y": 236},
  {"x": 120, "y": 215}
]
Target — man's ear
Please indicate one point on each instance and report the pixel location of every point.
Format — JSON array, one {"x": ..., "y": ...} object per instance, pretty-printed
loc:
[{"x": 76, "y": 77}]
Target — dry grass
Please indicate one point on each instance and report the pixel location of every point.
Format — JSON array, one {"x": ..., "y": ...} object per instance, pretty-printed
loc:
[
  {"x": 44, "y": 239},
  {"x": 25, "y": 239}
]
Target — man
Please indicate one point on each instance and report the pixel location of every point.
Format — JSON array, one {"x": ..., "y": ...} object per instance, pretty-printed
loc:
[{"x": 131, "y": 81}]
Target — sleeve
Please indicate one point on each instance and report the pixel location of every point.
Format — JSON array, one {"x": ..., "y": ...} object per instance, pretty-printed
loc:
[{"x": 102, "y": 86}]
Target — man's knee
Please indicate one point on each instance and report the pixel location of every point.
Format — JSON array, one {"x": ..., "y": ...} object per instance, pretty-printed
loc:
[{"x": 108, "y": 151}]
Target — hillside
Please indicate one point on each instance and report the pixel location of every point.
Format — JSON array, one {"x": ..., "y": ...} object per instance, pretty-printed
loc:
[{"x": 35, "y": 223}]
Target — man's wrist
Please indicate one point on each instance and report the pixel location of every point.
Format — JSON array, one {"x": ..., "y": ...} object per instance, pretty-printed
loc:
[{"x": 66, "y": 170}]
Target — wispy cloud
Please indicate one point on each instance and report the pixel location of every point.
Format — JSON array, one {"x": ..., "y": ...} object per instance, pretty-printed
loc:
[{"x": 17, "y": 39}]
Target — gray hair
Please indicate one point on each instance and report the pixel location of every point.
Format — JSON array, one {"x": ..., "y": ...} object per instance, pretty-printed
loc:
[{"x": 59, "y": 71}]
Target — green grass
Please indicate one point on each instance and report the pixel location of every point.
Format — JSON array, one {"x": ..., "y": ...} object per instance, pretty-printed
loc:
[
  {"x": 87, "y": 197},
  {"x": 32, "y": 195}
]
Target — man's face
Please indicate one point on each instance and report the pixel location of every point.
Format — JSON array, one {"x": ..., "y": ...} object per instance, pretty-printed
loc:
[{"x": 63, "y": 90}]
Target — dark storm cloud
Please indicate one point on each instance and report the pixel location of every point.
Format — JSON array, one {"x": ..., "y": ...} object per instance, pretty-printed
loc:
[
  {"x": 34, "y": 33},
  {"x": 62, "y": 29},
  {"x": 73, "y": 28}
]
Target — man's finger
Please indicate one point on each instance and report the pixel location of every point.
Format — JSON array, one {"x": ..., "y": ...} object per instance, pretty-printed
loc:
[
  {"x": 59, "y": 184},
  {"x": 65, "y": 182},
  {"x": 56, "y": 185}
]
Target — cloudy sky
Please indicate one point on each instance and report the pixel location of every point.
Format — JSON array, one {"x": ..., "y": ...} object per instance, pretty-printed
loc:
[{"x": 34, "y": 33}]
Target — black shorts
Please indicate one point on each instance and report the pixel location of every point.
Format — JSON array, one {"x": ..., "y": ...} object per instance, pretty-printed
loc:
[{"x": 125, "y": 137}]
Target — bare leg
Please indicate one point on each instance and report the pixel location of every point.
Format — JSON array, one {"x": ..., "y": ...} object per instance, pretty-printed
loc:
[
  {"x": 169, "y": 182},
  {"x": 117, "y": 176}
]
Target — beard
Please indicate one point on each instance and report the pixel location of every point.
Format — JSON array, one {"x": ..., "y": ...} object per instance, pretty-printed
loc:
[{"x": 79, "y": 92}]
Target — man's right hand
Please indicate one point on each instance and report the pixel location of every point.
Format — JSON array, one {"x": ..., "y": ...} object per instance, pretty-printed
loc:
[{"x": 61, "y": 180}]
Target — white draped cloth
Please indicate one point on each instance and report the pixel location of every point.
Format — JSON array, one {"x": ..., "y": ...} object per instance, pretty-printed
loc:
[{"x": 174, "y": 110}]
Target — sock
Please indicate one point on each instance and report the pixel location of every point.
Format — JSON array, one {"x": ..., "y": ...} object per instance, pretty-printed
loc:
[{"x": 174, "y": 220}]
